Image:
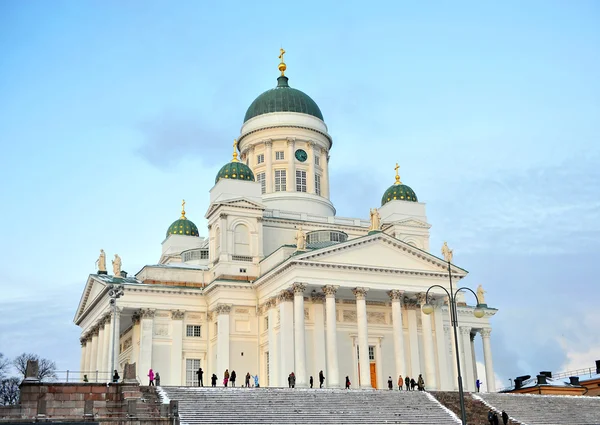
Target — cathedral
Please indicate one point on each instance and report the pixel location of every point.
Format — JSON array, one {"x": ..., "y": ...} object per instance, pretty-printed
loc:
[{"x": 277, "y": 283}]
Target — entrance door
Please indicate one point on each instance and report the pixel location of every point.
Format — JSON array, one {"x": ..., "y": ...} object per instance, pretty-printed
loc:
[{"x": 373, "y": 375}]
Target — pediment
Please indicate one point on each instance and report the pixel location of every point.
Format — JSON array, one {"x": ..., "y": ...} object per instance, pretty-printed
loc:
[
  {"x": 93, "y": 289},
  {"x": 411, "y": 222},
  {"x": 236, "y": 203},
  {"x": 380, "y": 251}
]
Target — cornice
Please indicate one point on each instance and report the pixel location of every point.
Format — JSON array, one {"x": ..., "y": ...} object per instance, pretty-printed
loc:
[
  {"x": 243, "y": 136},
  {"x": 326, "y": 226}
]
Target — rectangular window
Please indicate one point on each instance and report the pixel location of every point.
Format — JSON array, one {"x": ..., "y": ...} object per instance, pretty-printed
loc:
[
  {"x": 279, "y": 156},
  {"x": 266, "y": 323},
  {"x": 193, "y": 330},
  {"x": 371, "y": 352},
  {"x": 300, "y": 181},
  {"x": 280, "y": 180},
  {"x": 260, "y": 158},
  {"x": 317, "y": 159},
  {"x": 317, "y": 184},
  {"x": 191, "y": 367},
  {"x": 260, "y": 178}
]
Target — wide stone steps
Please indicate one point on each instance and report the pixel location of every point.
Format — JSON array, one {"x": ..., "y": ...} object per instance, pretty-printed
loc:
[
  {"x": 305, "y": 406},
  {"x": 546, "y": 409}
]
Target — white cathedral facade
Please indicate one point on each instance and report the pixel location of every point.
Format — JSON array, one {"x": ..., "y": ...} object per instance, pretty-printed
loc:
[{"x": 280, "y": 284}]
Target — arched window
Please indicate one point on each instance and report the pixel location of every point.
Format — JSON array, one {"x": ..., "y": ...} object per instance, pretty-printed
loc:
[
  {"x": 241, "y": 240},
  {"x": 218, "y": 241}
]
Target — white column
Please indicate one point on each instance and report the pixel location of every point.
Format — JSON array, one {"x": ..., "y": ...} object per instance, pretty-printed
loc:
[
  {"x": 93, "y": 354},
  {"x": 269, "y": 166},
  {"x": 381, "y": 379},
  {"x": 452, "y": 368},
  {"x": 176, "y": 349},
  {"x": 82, "y": 367},
  {"x": 319, "y": 354},
  {"x": 325, "y": 166},
  {"x": 398, "y": 330},
  {"x": 100, "y": 351},
  {"x": 487, "y": 356},
  {"x": 363, "y": 336},
  {"x": 224, "y": 253},
  {"x": 135, "y": 338},
  {"x": 473, "y": 359},
  {"x": 273, "y": 349},
  {"x": 443, "y": 368},
  {"x": 299, "y": 335},
  {"x": 291, "y": 181},
  {"x": 146, "y": 335},
  {"x": 413, "y": 344},
  {"x": 468, "y": 382},
  {"x": 108, "y": 331},
  {"x": 310, "y": 179},
  {"x": 106, "y": 350},
  {"x": 427, "y": 332},
  {"x": 286, "y": 336},
  {"x": 223, "y": 325},
  {"x": 332, "y": 377}
]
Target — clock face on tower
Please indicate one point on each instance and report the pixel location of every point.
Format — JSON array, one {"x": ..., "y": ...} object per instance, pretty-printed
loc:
[{"x": 301, "y": 155}]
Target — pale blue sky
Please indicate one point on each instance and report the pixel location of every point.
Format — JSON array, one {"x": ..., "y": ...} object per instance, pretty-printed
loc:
[{"x": 111, "y": 112}]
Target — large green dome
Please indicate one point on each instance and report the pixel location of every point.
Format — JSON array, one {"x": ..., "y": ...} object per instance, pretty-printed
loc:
[
  {"x": 184, "y": 227},
  {"x": 399, "y": 192},
  {"x": 283, "y": 98},
  {"x": 235, "y": 170}
]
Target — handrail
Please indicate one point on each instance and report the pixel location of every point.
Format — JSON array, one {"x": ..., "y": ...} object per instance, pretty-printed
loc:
[{"x": 579, "y": 372}]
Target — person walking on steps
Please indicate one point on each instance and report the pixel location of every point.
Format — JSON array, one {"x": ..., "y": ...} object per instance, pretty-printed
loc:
[
  {"x": 478, "y": 384},
  {"x": 321, "y": 379},
  {"x": 213, "y": 380},
  {"x": 226, "y": 377},
  {"x": 151, "y": 377},
  {"x": 420, "y": 383},
  {"x": 200, "y": 374},
  {"x": 311, "y": 381},
  {"x": 116, "y": 376},
  {"x": 491, "y": 417},
  {"x": 232, "y": 379},
  {"x": 247, "y": 380},
  {"x": 347, "y": 383},
  {"x": 293, "y": 380},
  {"x": 390, "y": 384},
  {"x": 495, "y": 419},
  {"x": 413, "y": 384},
  {"x": 407, "y": 382},
  {"x": 157, "y": 379},
  {"x": 256, "y": 382},
  {"x": 400, "y": 382},
  {"x": 504, "y": 417}
]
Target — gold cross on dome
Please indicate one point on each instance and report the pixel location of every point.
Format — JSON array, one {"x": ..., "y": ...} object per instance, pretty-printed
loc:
[
  {"x": 183, "y": 209},
  {"x": 282, "y": 52},
  {"x": 397, "y": 175}
]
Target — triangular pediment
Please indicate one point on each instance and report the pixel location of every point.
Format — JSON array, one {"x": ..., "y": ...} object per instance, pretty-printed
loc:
[
  {"x": 380, "y": 251},
  {"x": 93, "y": 288},
  {"x": 236, "y": 203},
  {"x": 412, "y": 222}
]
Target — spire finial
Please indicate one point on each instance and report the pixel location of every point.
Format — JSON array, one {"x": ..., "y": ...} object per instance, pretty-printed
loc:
[
  {"x": 282, "y": 67},
  {"x": 183, "y": 210},
  {"x": 397, "y": 175},
  {"x": 235, "y": 154}
]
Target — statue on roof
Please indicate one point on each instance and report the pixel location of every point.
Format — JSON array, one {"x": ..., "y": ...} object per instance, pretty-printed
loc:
[
  {"x": 375, "y": 220},
  {"x": 116, "y": 263},
  {"x": 300, "y": 239},
  {"x": 447, "y": 252},
  {"x": 480, "y": 296},
  {"x": 101, "y": 262}
]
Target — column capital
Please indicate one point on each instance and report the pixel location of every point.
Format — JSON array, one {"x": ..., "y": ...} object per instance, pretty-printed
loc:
[
  {"x": 298, "y": 288},
  {"x": 317, "y": 298},
  {"x": 135, "y": 317},
  {"x": 177, "y": 314},
  {"x": 107, "y": 317},
  {"x": 395, "y": 294},
  {"x": 291, "y": 141},
  {"x": 447, "y": 329},
  {"x": 268, "y": 142},
  {"x": 465, "y": 330},
  {"x": 101, "y": 321},
  {"x": 360, "y": 293},
  {"x": 285, "y": 295},
  {"x": 485, "y": 332},
  {"x": 222, "y": 215},
  {"x": 94, "y": 331},
  {"x": 223, "y": 309},
  {"x": 311, "y": 144},
  {"x": 330, "y": 290},
  {"x": 83, "y": 341},
  {"x": 147, "y": 313}
]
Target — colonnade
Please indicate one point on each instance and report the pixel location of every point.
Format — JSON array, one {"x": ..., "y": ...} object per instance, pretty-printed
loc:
[{"x": 97, "y": 347}]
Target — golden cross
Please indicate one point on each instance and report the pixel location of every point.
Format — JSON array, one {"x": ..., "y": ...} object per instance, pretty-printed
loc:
[
  {"x": 397, "y": 175},
  {"x": 235, "y": 154},
  {"x": 281, "y": 54},
  {"x": 183, "y": 208}
]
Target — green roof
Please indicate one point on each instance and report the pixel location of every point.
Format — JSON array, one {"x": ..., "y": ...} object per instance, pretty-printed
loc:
[
  {"x": 236, "y": 171},
  {"x": 399, "y": 192},
  {"x": 283, "y": 98},
  {"x": 184, "y": 227}
]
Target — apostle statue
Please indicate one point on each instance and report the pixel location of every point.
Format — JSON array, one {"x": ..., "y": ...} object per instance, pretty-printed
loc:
[
  {"x": 480, "y": 296},
  {"x": 116, "y": 263},
  {"x": 300, "y": 239},
  {"x": 101, "y": 262},
  {"x": 447, "y": 252},
  {"x": 375, "y": 220}
]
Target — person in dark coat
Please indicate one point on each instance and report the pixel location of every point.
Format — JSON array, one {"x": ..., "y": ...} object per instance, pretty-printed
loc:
[
  {"x": 491, "y": 417},
  {"x": 248, "y": 376},
  {"x": 413, "y": 384},
  {"x": 293, "y": 380},
  {"x": 347, "y": 383},
  {"x": 311, "y": 381},
  {"x": 407, "y": 382},
  {"x": 115, "y": 376},
  {"x": 200, "y": 374},
  {"x": 478, "y": 385},
  {"x": 232, "y": 378},
  {"x": 420, "y": 383},
  {"x": 290, "y": 380},
  {"x": 495, "y": 419},
  {"x": 504, "y": 417},
  {"x": 390, "y": 384},
  {"x": 213, "y": 380},
  {"x": 157, "y": 379},
  {"x": 321, "y": 379}
]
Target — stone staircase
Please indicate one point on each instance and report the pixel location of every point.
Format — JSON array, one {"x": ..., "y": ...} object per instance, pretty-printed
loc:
[
  {"x": 306, "y": 406},
  {"x": 476, "y": 410},
  {"x": 533, "y": 409}
]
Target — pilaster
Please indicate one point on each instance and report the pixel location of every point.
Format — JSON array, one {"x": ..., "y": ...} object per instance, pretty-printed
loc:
[
  {"x": 291, "y": 181},
  {"x": 176, "y": 347},
  {"x": 223, "y": 335},
  {"x": 273, "y": 345},
  {"x": 146, "y": 335}
]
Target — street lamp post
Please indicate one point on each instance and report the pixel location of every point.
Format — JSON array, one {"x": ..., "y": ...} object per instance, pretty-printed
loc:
[
  {"x": 114, "y": 292},
  {"x": 479, "y": 313}
]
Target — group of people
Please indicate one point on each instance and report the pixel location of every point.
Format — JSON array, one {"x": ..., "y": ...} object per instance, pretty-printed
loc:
[
  {"x": 153, "y": 378},
  {"x": 494, "y": 420},
  {"x": 229, "y": 379},
  {"x": 409, "y": 382}
]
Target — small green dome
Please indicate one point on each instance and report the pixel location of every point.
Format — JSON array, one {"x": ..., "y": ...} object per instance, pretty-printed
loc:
[
  {"x": 283, "y": 98},
  {"x": 400, "y": 192},
  {"x": 184, "y": 227},
  {"x": 235, "y": 170}
]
